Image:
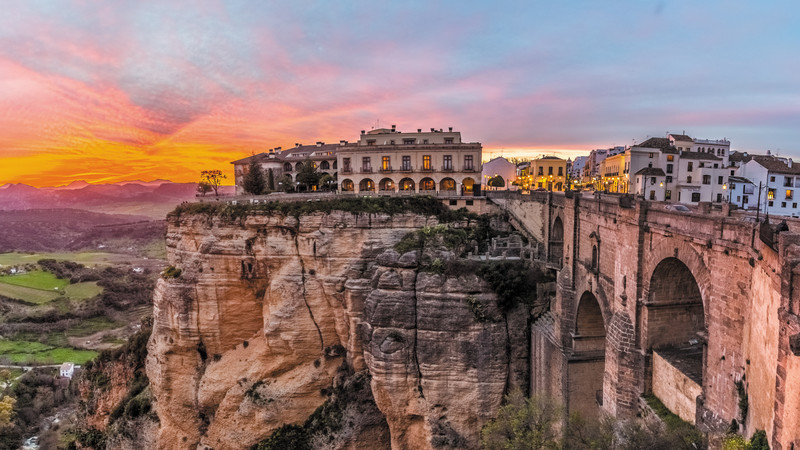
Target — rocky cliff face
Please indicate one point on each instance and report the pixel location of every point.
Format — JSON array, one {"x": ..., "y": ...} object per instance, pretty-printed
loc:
[{"x": 270, "y": 311}]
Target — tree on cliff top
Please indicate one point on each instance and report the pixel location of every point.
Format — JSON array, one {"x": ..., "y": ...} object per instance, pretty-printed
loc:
[
  {"x": 213, "y": 178},
  {"x": 308, "y": 175},
  {"x": 254, "y": 182}
]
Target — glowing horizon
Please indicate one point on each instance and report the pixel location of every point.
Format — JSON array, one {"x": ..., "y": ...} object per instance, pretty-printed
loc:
[{"x": 109, "y": 92}]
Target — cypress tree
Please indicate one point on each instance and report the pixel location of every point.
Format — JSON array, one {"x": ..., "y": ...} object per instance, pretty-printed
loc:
[
  {"x": 254, "y": 182},
  {"x": 270, "y": 180}
]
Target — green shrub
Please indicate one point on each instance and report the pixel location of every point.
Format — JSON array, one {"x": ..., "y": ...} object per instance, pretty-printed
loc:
[{"x": 171, "y": 272}]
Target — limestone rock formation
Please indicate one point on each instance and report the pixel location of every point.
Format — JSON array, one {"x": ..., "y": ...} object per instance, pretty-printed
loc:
[{"x": 269, "y": 309}]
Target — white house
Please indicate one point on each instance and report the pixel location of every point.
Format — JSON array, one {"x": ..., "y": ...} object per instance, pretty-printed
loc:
[
  {"x": 499, "y": 167},
  {"x": 67, "y": 370},
  {"x": 778, "y": 178}
]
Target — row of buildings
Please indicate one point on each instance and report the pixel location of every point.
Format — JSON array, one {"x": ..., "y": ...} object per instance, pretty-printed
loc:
[
  {"x": 676, "y": 168},
  {"x": 381, "y": 161},
  {"x": 680, "y": 169}
]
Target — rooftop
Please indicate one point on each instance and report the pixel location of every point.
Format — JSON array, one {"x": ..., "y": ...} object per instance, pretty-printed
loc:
[
  {"x": 775, "y": 165},
  {"x": 700, "y": 156},
  {"x": 651, "y": 171}
]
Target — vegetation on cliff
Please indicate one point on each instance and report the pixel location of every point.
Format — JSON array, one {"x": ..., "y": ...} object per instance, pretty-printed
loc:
[
  {"x": 110, "y": 403},
  {"x": 535, "y": 423},
  {"x": 349, "y": 411},
  {"x": 424, "y": 205}
]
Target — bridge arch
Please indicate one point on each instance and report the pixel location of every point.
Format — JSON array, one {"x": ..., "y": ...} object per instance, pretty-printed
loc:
[
  {"x": 673, "y": 333},
  {"x": 556, "y": 242},
  {"x": 589, "y": 356}
]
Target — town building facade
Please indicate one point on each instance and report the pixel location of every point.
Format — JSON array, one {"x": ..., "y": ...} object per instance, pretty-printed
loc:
[{"x": 388, "y": 161}]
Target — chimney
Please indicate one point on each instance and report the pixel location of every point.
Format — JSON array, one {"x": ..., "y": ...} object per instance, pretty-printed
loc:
[
  {"x": 450, "y": 129},
  {"x": 419, "y": 130},
  {"x": 432, "y": 130},
  {"x": 394, "y": 127},
  {"x": 789, "y": 162},
  {"x": 297, "y": 144},
  {"x": 277, "y": 149},
  {"x": 320, "y": 143},
  {"x": 342, "y": 142},
  {"x": 362, "y": 131}
]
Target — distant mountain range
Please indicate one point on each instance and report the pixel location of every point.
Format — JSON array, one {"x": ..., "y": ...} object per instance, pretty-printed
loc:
[{"x": 153, "y": 199}]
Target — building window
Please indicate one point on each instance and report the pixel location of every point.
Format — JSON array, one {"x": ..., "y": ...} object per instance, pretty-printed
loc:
[
  {"x": 447, "y": 162},
  {"x": 391, "y": 142},
  {"x": 689, "y": 166},
  {"x": 788, "y": 181},
  {"x": 745, "y": 199},
  {"x": 783, "y": 204},
  {"x": 695, "y": 196},
  {"x": 651, "y": 154},
  {"x": 689, "y": 179},
  {"x": 670, "y": 157},
  {"x": 287, "y": 167},
  {"x": 346, "y": 164},
  {"x": 701, "y": 165},
  {"x": 370, "y": 141},
  {"x": 789, "y": 194},
  {"x": 652, "y": 195},
  {"x": 560, "y": 171},
  {"x": 719, "y": 180},
  {"x": 409, "y": 141},
  {"x": 771, "y": 194},
  {"x": 468, "y": 162},
  {"x": 366, "y": 164},
  {"x": 424, "y": 141},
  {"x": 550, "y": 170},
  {"x": 669, "y": 168},
  {"x": 669, "y": 179},
  {"x": 448, "y": 140},
  {"x": 406, "y": 163},
  {"x": 385, "y": 163},
  {"x": 667, "y": 195},
  {"x": 794, "y": 205},
  {"x": 426, "y": 162},
  {"x": 716, "y": 166},
  {"x": 652, "y": 180},
  {"x": 770, "y": 203},
  {"x": 719, "y": 198},
  {"x": 706, "y": 179},
  {"x": 541, "y": 170},
  {"x": 772, "y": 179}
]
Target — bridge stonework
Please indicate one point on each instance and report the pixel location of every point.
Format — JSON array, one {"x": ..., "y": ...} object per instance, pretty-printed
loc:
[{"x": 700, "y": 289}]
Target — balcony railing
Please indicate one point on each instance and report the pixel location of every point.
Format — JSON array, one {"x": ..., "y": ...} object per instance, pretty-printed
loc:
[
  {"x": 385, "y": 170},
  {"x": 347, "y": 170},
  {"x": 366, "y": 170},
  {"x": 428, "y": 169},
  {"x": 468, "y": 169},
  {"x": 447, "y": 168},
  {"x": 406, "y": 169}
]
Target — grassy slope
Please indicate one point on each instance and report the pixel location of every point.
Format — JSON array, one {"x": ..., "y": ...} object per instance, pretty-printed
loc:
[
  {"x": 37, "y": 279},
  {"x": 27, "y": 352},
  {"x": 83, "y": 291},
  {"x": 30, "y": 295}
]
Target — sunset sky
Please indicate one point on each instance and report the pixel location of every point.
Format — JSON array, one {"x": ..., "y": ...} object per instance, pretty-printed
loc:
[{"x": 108, "y": 91}]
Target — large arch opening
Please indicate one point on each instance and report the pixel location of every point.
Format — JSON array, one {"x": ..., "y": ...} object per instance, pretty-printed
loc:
[
  {"x": 427, "y": 184},
  {"x": 673, "y": 333},
  {"x": 556, "y": 253},
  {"x": 407, "y": 184},
  {"x": 366, "y": 185},
  {"x": 447, "y": 184},
  {"x": 467, "y": 186},
  {"x": 347, "y": 185},
  {"x": 588, "y": 363},
  {"x": 386, "y": 184}
]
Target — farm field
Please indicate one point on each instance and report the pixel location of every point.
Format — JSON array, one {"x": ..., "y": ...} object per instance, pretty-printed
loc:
[
  {"x": 30, "y": 295},
  {"x": 82, "y": 291},
  {"x": 37, "y": 279},
  {"x": 28, "y": 352},
  {"x": 86, "y": 258}
]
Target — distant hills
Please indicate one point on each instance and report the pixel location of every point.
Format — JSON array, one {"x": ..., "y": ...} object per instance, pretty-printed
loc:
[{"x": 153, "y": 199}]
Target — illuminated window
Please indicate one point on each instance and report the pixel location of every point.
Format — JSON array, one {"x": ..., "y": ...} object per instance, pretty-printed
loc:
[
  {"x": 771, "y": 194},
  {"x": 385, "y": 163},
  {"x": 789, "y": 194},
  {"x": 670, "y": 157},
  {"x": 426, "y": 162}
]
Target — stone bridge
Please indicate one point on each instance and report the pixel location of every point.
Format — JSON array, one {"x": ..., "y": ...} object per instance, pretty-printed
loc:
[{"x": 700, "y": 308}]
